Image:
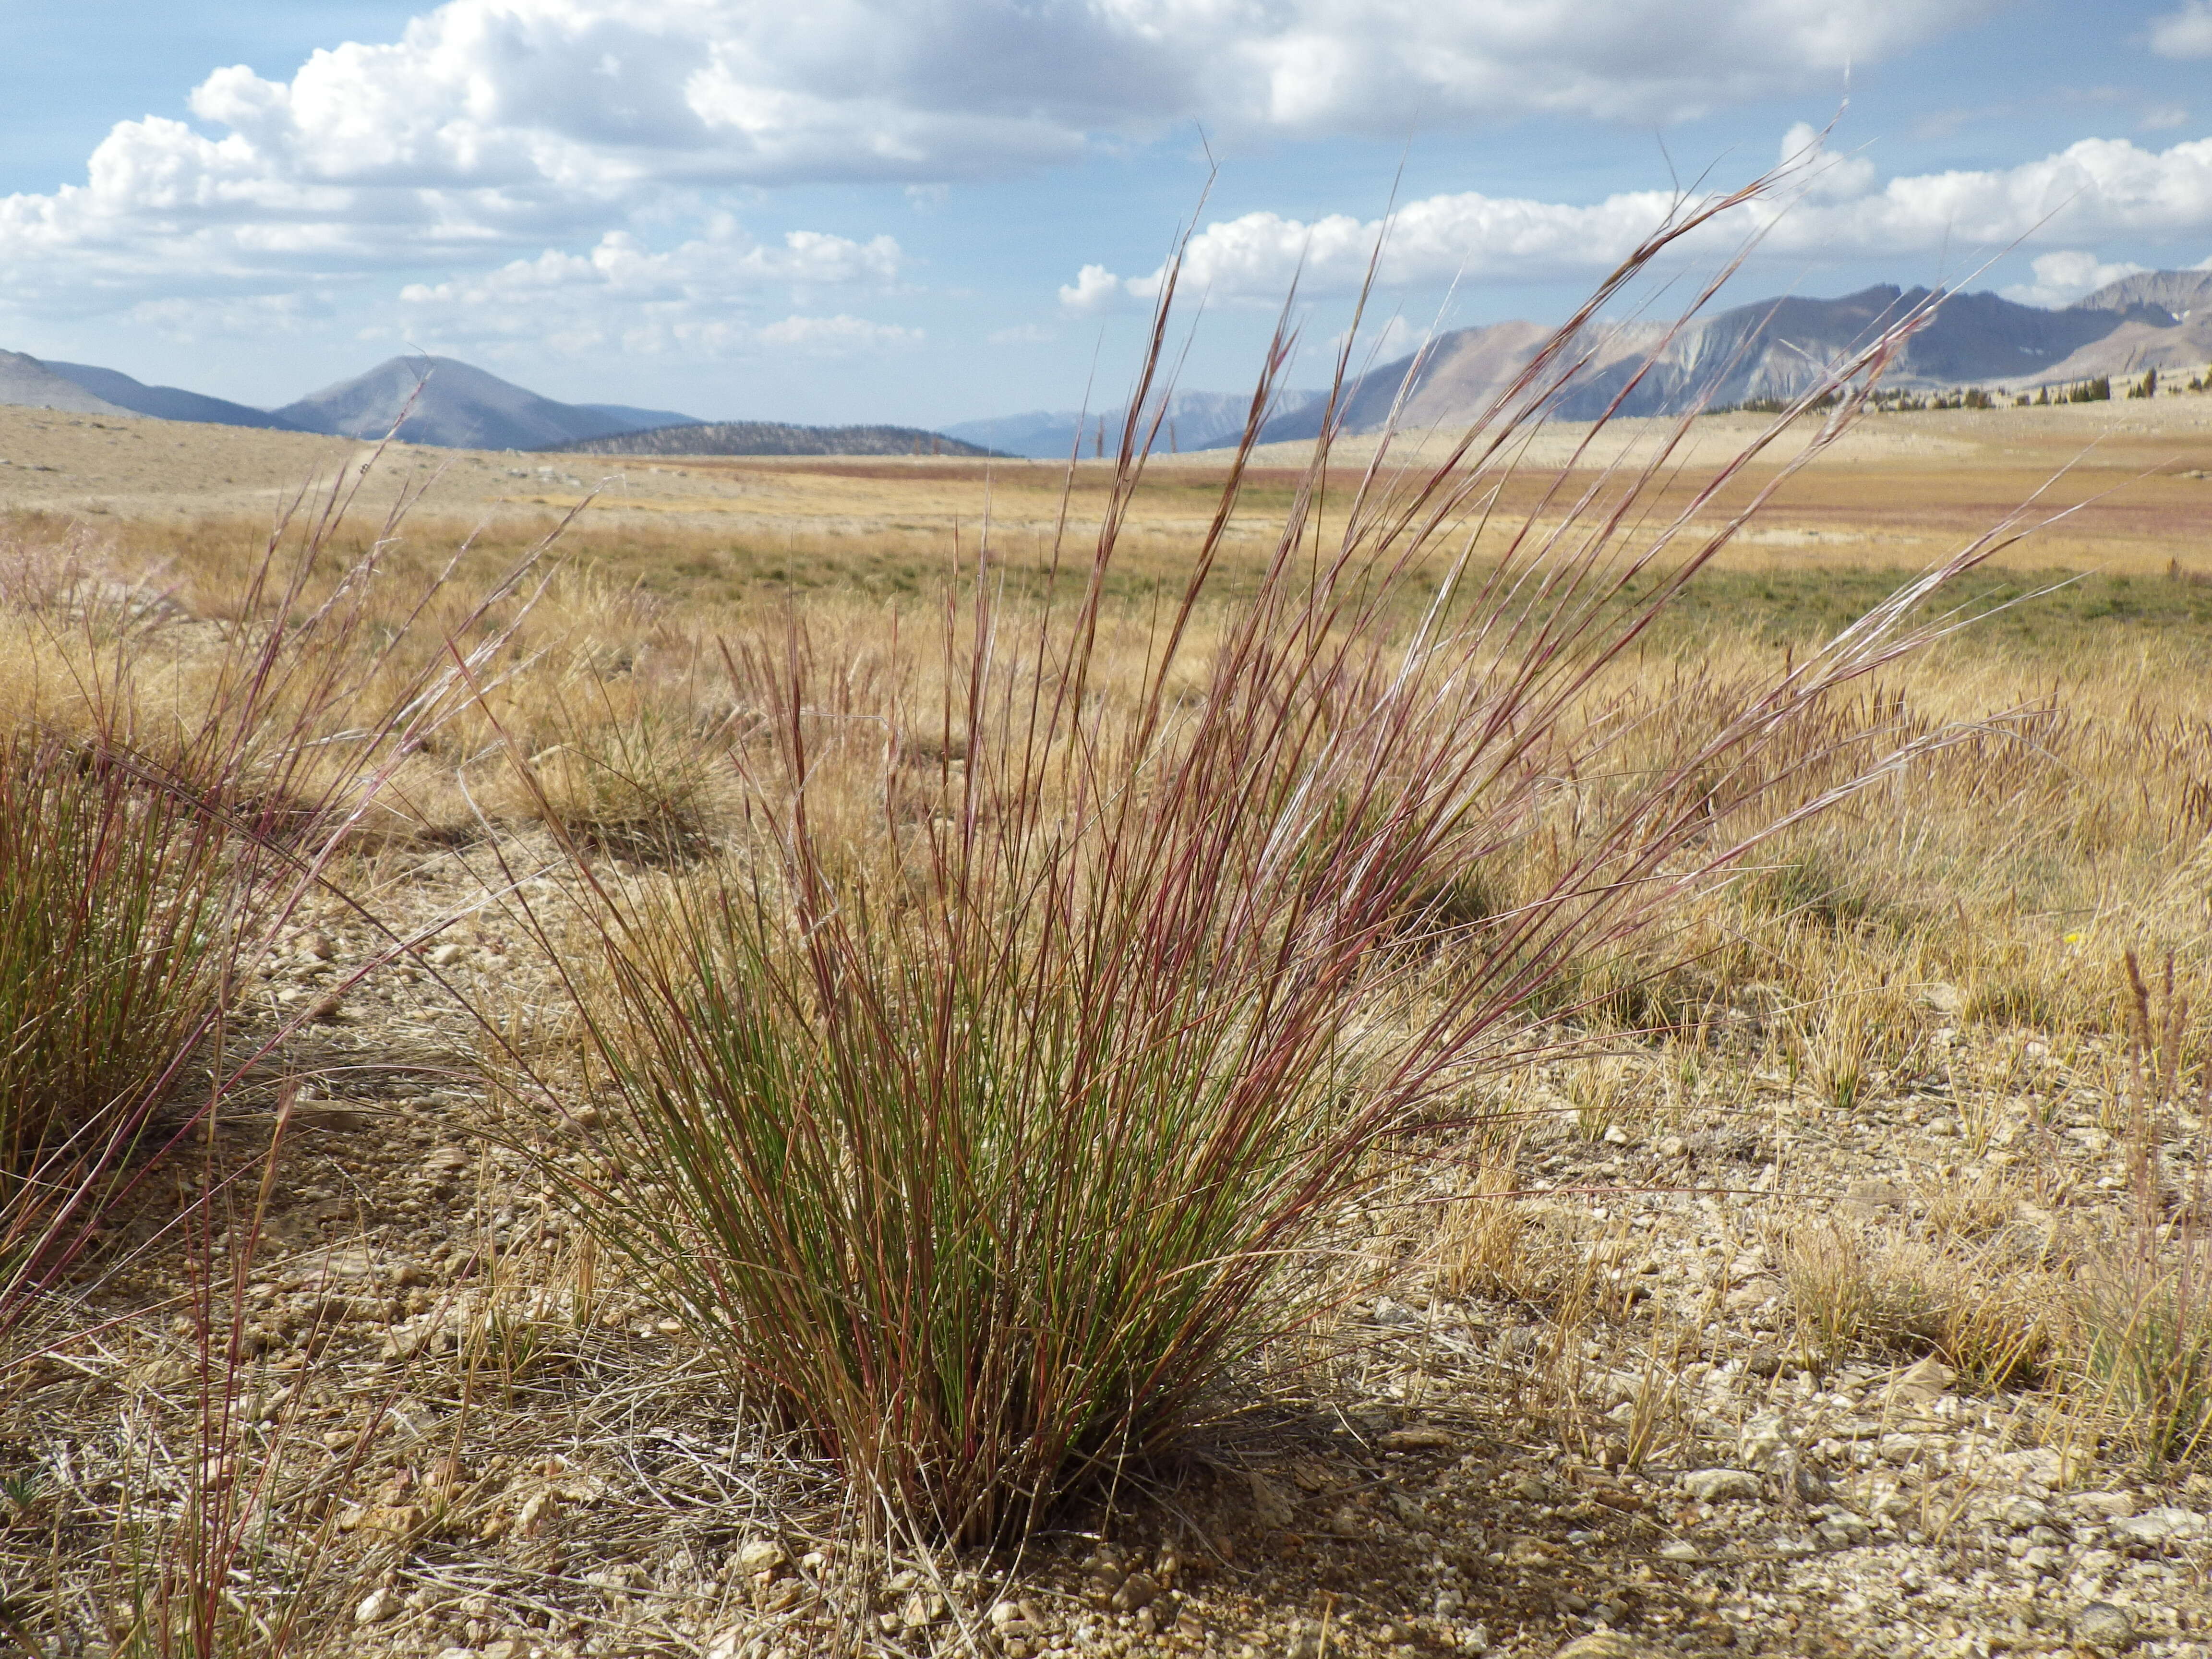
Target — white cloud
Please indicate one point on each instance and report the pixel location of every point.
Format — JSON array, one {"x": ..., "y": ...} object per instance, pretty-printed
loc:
[
  {"x": 1386, "y": 342},
  {"x": 2064, "y": 277},
  {"x": 838, "y": 337},
  {"x": 2184, "y": 34},
  {"x": 1096, "y": 289},
  {"x": 690, "y": 298},
  {"x": 495, "y": 127},
  {"x": 2099, "y": 189}
]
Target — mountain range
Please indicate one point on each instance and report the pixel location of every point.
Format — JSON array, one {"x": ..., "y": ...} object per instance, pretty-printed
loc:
[
  {"x": 1775, "y": 349},
  {"x": 442, "y": 401},
  {"x": 1196, "y": 420},
  {"x": 1772, "y": 349},
  {"x": 774, "y": 438}
]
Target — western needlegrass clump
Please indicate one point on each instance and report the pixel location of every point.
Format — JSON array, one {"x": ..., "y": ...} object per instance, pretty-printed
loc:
[
  {"x": 117, "y": 908},
  {"x": 986, "y": 1109},
  {"x": 171, "y": 789}
]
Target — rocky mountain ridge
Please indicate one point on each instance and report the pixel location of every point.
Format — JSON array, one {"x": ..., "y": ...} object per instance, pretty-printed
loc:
[{"x": 1775, "y": 349}]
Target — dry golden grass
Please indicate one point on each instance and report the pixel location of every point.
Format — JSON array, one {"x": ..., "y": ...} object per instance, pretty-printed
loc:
[
  {"x": 1958, "y": 931},
  {"x": 1991, "y": 886}
]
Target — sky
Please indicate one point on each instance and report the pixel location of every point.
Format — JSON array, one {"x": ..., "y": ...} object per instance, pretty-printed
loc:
[{"x": 925, "y": 212}]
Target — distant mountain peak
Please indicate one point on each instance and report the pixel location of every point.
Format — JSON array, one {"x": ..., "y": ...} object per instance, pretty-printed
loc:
[
  {"x": 29, "y": 384},
  {"x": 2177, "y": 293},
  {"x": 447, "y": 402}
]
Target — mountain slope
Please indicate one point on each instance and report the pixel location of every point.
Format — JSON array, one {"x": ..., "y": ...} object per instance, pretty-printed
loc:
[
  {"x": 623, "y": 417},
  {"x": 772, "y": 438},
  {"x": 456, "y": 404},
  {"x": 1197, "y": 420},
  {"x": 29, "y": 384},
  {"x": 165, "y": 403},
  {"x": 2177, "y": 293},
  {"x": 1777, "y": 347}
]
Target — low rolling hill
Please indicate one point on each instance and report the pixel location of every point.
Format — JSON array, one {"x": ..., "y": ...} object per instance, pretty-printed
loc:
[
  {"x": 167, "y": 403},
  {"x": 774, "y": 438}
]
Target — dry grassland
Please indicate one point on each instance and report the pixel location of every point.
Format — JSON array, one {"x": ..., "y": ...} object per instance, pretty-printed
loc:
[{"x": 1817, "y": 1248}]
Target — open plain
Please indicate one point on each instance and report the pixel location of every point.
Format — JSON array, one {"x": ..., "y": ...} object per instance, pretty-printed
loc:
[{"x": 1823, "y": 1268}]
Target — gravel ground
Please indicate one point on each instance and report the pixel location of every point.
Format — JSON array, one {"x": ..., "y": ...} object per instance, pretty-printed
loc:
[{"x": 1653, "y": 1463}]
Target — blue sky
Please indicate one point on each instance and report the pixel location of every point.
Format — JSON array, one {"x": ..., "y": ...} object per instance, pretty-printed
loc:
[{"x": 928, "y": 210}]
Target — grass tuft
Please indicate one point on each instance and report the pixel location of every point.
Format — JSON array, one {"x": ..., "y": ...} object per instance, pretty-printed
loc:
[{"x": 986, "y": 1107}]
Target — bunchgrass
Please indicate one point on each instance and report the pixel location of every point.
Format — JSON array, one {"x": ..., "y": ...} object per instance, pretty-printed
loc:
[
  {"x": 118, "y": 911},
  {"x": 162, "y": 815},
  {"x": 985, "y": 1111}
]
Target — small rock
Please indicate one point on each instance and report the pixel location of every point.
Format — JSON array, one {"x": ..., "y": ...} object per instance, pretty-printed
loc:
[
  {"x": 2156, "y": 1525},
  {"x": 1608, "y": 1644},
  {"x": 1680, "y": 1549},
  {"x": 2110, "y": 1505},
  {"x": 316, "y": 945},
  {"x": 1751, "y": 1294},
  {"x": 325, "y": 1009},
  {"x": 447, "y": 954},
  {"x": 268, "y": 1408},
  {"x": 1138, "y": 1590},
  {"x": 1899, "y": 1449},
  {"x": 1763, "y": 1438},
  {"x": 379, "y": 1605},
  {"x": 2102, "y": 1625},
  {"x": 1269, "y": 1506},
  {"x": 1924, "y": 1383},
  {"x": 1615, "y": 1135},
  {"x": 331, "y": 1116},
  {"x": 1720, "y": 1486},
  {"x": 761, "y": 1555},
  {"x": 1419, "y": 1439},
  {"x": 1673, "y": 1146}
]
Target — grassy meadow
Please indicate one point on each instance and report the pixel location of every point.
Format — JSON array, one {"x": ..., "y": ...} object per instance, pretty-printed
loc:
[{"x": 670, "y": 1082}]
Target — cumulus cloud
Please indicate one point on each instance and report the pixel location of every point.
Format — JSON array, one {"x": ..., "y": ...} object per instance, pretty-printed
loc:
[
  {"x": 691, "y": 297},
  {"x": 491, "y": 126},
  {"x": 1380, "y": 343},
  {"x": 2064, "y": 277},
  {"x": 2184, "y": 34},
  {"x": 2097, "y": 190},
  {"x": 839, "y": 336}
]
